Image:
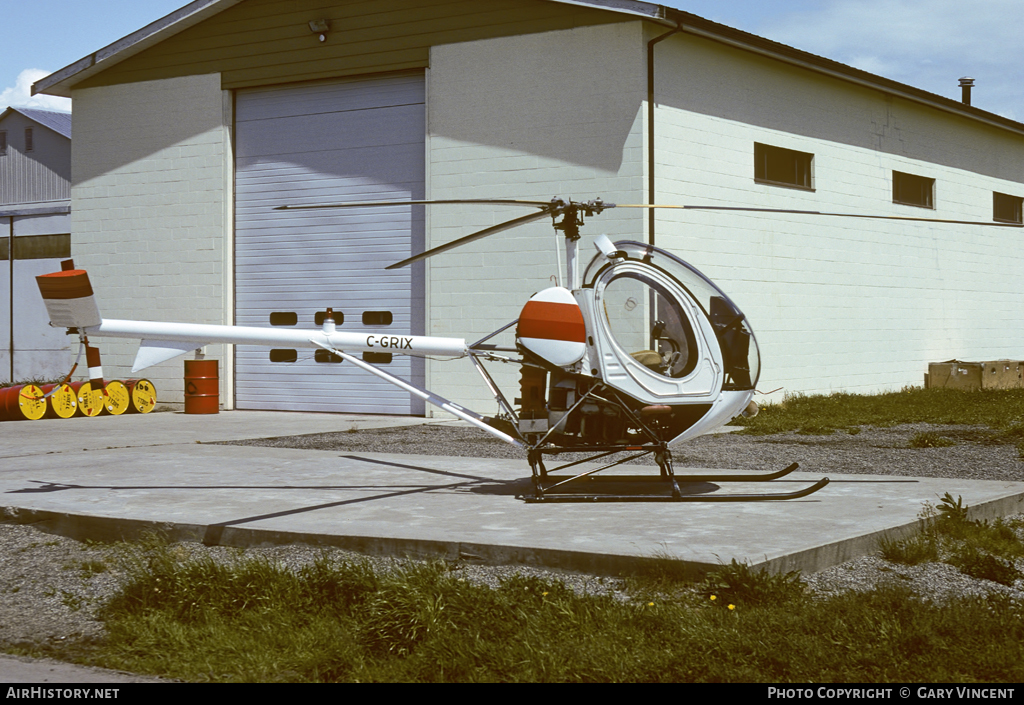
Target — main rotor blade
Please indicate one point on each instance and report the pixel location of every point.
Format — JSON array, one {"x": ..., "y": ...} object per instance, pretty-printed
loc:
[
  {"x": 832, "y": 215},
  {"x": 470, "y": 201},
  {"x": 508, "y": 224}
]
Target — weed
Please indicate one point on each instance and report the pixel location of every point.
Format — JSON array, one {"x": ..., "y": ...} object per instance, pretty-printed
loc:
[
  {"x": 736, "y": 583},
  {"x": 977, "y": 548},
  {"x": 984, "y": 566},
  {"x": 930, "y": 439},
  {"x": 71, "y": 601},
  {"x": 951, "y": 511},
  {"x": 92, "y": 567},
  {"x": 919, "y": 548},
  {"x": 661, "y": 574}
]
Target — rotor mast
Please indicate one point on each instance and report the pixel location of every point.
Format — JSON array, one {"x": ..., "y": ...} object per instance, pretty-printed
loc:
[{"x": 572, "y": 214}]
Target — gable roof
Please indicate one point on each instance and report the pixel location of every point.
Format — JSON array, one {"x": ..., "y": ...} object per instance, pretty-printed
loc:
[
  {"x": 56, "y": 121},
  {"x": 60, "y": 82}
]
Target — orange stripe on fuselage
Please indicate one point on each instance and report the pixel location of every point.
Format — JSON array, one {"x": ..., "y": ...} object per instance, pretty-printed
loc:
[{"x": 552, "y": 321}]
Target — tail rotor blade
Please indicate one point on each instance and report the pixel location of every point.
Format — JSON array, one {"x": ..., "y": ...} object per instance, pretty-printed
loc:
[{"x": 508, "y": 224}]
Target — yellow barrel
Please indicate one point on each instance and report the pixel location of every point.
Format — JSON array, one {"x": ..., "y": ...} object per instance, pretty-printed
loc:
[
  {"x": 22, "y": 402},
  {"x": 90, "y": 401},
  {"x": 62, "y": 402},
  {"x": 143, "y": 395},
  {"x": 118, "y": 398}
]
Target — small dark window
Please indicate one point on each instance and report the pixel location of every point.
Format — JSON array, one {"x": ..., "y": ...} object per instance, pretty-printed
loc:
[
  {"x": 377, "y": 318},
  {"x": 782, "y": 167},
  {"x": 1007, "y": 208},
  {"x": 284, "y": 318},
  {"x": 28, "y": 139},
  {"x": 339, "y": 317},
  {"x": 3, "y": 143},
  {"x": 326, "y": 356},
  {"x": 911, "y": 190},
  {"x": 377, "y": 358},
  {"x": 283, "y": 355}
]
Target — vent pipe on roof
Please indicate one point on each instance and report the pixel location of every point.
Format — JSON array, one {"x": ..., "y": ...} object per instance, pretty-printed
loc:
[{"x": 965, "y": 87}]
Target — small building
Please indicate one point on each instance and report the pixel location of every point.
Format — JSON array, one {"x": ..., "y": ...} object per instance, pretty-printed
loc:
[
  {"x": 194, "y": 128},
  {"x": 35, "y": 234}
]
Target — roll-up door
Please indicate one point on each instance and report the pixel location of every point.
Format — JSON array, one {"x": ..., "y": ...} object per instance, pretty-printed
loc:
[{"x": 326, "y": 142}]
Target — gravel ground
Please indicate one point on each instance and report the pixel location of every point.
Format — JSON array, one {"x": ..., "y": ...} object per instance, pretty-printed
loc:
[
  {"x": 874, "y": 451},
  {"x": 51, "y": 586}
]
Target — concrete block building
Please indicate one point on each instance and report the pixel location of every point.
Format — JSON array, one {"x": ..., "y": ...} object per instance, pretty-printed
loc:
[{"x": 193, "y": 129}]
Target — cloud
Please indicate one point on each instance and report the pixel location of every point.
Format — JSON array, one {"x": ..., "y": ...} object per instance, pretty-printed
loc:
[
  {"x": 928, "y": 44},
  {"x": 20, "y": 95}
]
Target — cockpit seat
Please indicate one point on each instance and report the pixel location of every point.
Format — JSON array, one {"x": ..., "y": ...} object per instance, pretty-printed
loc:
[{"x": 651, "y": 359}]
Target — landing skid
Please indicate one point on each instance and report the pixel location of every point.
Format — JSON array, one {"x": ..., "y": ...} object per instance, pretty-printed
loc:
[{"x": 550, "y": 487}]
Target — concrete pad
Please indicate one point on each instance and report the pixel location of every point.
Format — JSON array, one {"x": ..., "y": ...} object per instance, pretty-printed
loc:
[
  {"x": 113, "y": 476},
  {"x": 31, "y": 672},
  {"x": 20, "y": 438}
]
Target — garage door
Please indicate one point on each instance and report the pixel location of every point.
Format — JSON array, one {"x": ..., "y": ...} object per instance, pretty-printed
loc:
[{"x": 338, "y": 141}]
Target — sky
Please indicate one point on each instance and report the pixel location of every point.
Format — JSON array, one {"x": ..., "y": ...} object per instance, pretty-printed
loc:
[{"x": 928, "y": 44}]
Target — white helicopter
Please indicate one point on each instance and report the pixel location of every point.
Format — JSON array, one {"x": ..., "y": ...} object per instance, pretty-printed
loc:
[{"x": 641, "y": 353}]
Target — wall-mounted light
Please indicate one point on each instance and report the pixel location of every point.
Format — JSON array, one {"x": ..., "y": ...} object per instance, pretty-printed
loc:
[{"x": 320, "y": 27}]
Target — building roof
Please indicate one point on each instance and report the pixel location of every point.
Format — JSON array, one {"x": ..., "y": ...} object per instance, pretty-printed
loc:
[
  {"x": 61, "y": 82},
  {"x": 56, "y": 121}
]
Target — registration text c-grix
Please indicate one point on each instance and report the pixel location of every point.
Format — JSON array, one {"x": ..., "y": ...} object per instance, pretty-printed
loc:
[{"x": 388, "y": 341}]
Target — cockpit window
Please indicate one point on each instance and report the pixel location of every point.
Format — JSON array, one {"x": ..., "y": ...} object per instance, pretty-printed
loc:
[
  {"x": 648, "y": 323},
  {"x": 735, "y": 337}
]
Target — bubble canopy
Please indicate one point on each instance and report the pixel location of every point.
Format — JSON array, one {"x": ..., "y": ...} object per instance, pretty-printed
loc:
[{"x": 741, "y": 357}]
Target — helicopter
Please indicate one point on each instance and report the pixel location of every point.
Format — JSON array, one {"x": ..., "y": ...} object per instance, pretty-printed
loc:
[{"x": 639, "y": 353}]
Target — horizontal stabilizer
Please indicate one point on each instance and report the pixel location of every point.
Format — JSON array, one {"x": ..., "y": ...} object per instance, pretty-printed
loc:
[{"x": 153, "y": 352}]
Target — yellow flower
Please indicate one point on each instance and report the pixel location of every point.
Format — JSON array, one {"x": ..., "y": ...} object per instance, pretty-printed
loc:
[
  {"x": 732, "y": 607},
  {"x": 650, "y": 604},
  {"x": 714, "y": 597},
  {"x": 544, "y": 594}
]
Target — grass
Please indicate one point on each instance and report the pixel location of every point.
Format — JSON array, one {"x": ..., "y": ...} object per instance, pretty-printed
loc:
[
  {"x": 250, "y": 620},
  {"x": 980, "y": 549},
  {"x": 1000, "y": 410}
]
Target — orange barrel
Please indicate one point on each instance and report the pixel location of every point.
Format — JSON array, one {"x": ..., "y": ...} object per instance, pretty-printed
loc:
[
  {"x": 202, "y": 387},
  {"x": 90, "y": 401},
  {"x": 23, "y": 401},
  {"x": 62, "y": 403},
  {"x": 3, "y": 403},
  {"x": 143, "y": 396},
  {"x": 118, "y": 399}
]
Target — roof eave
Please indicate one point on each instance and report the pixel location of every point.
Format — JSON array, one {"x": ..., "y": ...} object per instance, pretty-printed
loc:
[
  {"x": 693, "y": 24},
  {"x": 60, "y": 82}
]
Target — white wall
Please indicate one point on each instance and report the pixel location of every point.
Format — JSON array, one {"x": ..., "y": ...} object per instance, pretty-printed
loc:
[
  {"x": 532, "y": 117},
  {"x": 838, "y": 304},
  {"x": 151, "y": 210},
  {"x": 40, "y": 351}
]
